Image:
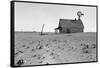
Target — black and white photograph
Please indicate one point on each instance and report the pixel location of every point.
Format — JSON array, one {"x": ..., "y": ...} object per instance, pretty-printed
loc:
[{"x": 53, "y": 34}]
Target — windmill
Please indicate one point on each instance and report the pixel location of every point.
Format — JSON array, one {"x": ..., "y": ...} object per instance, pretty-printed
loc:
[{"x": 79, "y": 14}]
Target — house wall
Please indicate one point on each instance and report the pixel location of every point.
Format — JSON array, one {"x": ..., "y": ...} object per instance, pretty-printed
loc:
[
  {"x": 71, "y": 26},
  {"x": 71, "y": 30},
  {"x": 76, "y": 30}
]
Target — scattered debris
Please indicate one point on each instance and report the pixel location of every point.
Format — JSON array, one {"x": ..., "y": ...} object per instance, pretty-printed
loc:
[
  {"x": 39, "y": 47},
  {"x": 52, "y": 54},
  {"x": 85, "y": 51},
  {"x": 93, "y": 45},
  {"x": 18, "y": 52},
  {"x": 40, "y": 61},
  {"x": 34, "y": 55},
  {"x": 33, "y": 50},
  {"x": 54, "y": 40},
  {"x": 20, "y": 62},
  {"x": 23, "y": 45},
  {"x": 27, "y": 47},
  {"x": 84, "y": 46},
  {"x": 46, "y": 45}
]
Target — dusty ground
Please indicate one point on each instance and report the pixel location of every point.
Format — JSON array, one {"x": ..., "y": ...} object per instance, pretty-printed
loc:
[{"x": 34, "y": 49}]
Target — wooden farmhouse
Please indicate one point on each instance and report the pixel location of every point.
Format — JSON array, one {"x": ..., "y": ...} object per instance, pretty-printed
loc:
[{"x": 70, "y": 26}]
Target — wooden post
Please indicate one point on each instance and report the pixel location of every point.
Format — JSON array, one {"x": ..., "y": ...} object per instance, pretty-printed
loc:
[{"x": 42, "y": 30}]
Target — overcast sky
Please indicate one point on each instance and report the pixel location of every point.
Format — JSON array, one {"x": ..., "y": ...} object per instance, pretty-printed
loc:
[{"x": 31, "y": 16}]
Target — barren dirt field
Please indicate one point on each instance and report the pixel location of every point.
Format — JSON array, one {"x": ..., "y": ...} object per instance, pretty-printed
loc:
[{"x": 34, "y": 49}]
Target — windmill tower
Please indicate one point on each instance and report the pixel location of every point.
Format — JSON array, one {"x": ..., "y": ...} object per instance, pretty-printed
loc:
[{"x": 79, "y": 14}]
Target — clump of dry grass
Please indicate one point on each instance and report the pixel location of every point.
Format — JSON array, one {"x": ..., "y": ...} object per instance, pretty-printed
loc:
[{"x": 86, "y": 48}]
